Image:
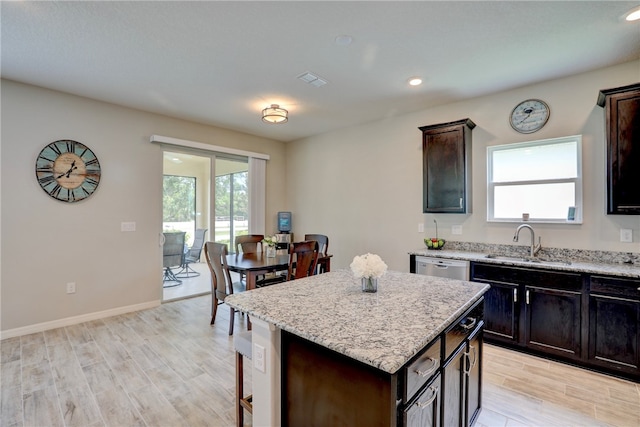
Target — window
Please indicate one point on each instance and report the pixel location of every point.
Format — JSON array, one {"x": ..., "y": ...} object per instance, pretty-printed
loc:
[
  {"x": 179, "y": 204},
  {"x": 539, "y": 178}
]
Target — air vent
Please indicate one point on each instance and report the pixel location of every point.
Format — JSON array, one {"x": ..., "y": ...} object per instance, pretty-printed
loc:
[{"x": 312, "y": 79}]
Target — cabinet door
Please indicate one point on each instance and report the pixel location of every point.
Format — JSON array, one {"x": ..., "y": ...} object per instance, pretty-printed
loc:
[
  {"x": 614, "y": 333},
  {"x": 622, "y": 110},
  {"x": 473, "y": 378},
  {"x": 446, "y": 150},
  {"x": 501, "y": 312},
  {"x": 553, "y": 321},
  {"x": 453, "y": 385}
]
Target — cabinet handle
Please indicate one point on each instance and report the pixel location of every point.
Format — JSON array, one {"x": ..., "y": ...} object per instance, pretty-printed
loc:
[
  {"x": 468, "y": 327},
  {"x": 434, "y": 391},
  {"x": 527, "y": 297},
  {"x": 430, "y": 370},
  {"x": 470, "y": 364},
  {"x": 515, "y": 295},
  {"x": 639, "y": 288},
  {"x": 460, "y": 202}
]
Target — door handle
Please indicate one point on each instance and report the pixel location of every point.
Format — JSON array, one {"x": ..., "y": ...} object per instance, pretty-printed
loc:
[
  {"x": 515, "y": 295},
  {"x": 527, "y": 296}
]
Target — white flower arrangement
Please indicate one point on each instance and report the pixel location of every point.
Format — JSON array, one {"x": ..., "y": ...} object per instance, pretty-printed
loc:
[
  {"x": 368, "y": 265},
  {"x": 269, "y": 241}
]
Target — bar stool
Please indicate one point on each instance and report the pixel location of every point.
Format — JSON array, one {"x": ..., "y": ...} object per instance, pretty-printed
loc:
[{"x": 242, "y": 343}]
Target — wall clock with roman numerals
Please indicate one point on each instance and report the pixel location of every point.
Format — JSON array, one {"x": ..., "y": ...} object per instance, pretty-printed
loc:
[{"x": 68, "y": 170}]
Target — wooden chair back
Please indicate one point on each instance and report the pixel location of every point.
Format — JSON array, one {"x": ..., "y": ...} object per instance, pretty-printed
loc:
[
  {"x": 323, "y": 242},
  {"x": 249, "y": 244},
  {"x": 221, "y": 285},
  {"x": 303, "y": 259}
]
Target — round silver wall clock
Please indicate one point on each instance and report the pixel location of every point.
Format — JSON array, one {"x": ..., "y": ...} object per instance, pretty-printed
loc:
[
  {"x": 68, "y": 170},
  {"x": 529, "y": 116}
]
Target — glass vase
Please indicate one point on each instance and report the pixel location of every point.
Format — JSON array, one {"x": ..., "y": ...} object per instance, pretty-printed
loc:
[
  {"x": 271, "y": 251},
  {"x": 369, "y": 284}
]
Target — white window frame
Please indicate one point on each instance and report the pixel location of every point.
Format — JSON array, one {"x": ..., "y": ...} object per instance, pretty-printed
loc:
[{"x": 577, "y": 181}]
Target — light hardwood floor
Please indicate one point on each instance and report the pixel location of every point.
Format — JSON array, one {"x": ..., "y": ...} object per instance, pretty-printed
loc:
[{"x": 167, "y": 367}]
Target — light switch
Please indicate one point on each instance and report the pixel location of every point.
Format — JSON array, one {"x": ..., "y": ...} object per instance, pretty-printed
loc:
[{"x": 127, "y": 226}]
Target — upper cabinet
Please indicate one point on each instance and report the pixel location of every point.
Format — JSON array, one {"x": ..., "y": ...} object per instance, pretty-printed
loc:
[
  {"x": 446, "y": 162},
  {"x": 622, "y": 112}
]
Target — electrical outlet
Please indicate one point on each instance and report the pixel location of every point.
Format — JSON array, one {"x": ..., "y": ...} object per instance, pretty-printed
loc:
[
  {"x": 626, "y": 235},
  {"x": 71, "y": 287},
  {"x": 421, "y": 227},
  {"x": 456, "y": 229},
  {"x": 258, "y": 357}
]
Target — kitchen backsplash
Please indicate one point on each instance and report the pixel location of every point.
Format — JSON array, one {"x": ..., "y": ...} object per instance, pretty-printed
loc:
[{"x": 551, "y": 254}]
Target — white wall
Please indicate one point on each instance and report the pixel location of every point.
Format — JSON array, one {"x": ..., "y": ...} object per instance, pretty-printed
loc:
[
  {"x": 47, "y": 243},
  {"x": 367, "y": 180}
]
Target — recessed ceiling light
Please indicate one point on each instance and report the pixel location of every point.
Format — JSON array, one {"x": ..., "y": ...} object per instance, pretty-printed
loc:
[
  {"x": 633, "y": 15},
  {"x": 415, "y": 81}
]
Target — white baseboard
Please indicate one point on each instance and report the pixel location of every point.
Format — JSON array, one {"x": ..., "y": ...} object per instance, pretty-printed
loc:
[{"x": 68, "y": 321}]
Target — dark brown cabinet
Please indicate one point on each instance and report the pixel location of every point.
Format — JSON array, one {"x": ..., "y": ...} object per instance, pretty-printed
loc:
[
  {"x": 553, "y": 319},
  {"x": 622, "y": 118},
  {"x": 446, "y": 163},
  {"x": 585, "y": 319},
  {"x": 534, "y": 309},
  {"x": 614, "y": 324}
]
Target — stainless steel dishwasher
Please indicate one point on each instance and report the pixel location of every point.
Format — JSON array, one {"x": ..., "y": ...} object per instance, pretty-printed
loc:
[{"x": 449, "y": 268}]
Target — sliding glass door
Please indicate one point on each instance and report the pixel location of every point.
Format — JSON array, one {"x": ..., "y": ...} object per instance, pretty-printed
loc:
[{"x": 231, "y": 200}]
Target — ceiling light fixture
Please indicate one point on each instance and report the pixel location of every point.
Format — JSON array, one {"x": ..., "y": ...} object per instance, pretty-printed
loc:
[
  {"x": 633, "y": 15},
  {"x": 415, "y": 81},
  {"x": 275, "y": 114}
]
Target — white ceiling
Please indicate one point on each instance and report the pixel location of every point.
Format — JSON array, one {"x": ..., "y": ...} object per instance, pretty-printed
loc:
[{"x": 221, "y": 63}]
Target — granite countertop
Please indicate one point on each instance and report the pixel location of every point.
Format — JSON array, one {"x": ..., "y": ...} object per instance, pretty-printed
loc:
[
  {"x": 593, "y": 262},
  {"x": 384, "y": 329}
]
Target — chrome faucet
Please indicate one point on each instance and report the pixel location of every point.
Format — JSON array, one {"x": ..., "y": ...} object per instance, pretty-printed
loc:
[{"x": 534, "y": 248}]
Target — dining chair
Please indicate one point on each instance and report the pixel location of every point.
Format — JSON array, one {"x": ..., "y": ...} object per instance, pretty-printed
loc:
[
  {"x": 323, "y": 247},
  {"x": 242, "y": 344},
  {"x": 193, "y": 255},
  {"x": 323, "y": 242},
  {"x": 248, "y": 244},
  {"x": 172, "y": 253},
  {"x": 303, "y": 259},
  {"x": 221, "y": 284}
]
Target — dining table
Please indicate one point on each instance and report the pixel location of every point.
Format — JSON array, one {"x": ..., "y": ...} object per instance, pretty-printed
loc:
[{"x": 257, "y": 264}]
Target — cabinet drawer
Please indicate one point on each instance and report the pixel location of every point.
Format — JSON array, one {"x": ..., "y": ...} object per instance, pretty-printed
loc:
[
  {"x": 421, "y": 370},
  {"x": 425, "y": 411},
  {"x": 625, "y": 288},
  {"x": 459, "y": 331},
  {"x": 528, "y": 276}
]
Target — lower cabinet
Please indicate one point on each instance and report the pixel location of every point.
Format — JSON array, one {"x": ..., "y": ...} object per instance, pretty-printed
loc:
[
  {"x": 586, "y": 319},
  {"x": 614, "y": 319},
  {"x": 536, "y": 309},
  {"x": 502, "y": 311},
  {"x": 553, "y": 320}
]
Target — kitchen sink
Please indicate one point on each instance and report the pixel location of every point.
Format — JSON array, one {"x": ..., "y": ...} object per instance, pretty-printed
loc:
[{"x": 528, "y": 260}]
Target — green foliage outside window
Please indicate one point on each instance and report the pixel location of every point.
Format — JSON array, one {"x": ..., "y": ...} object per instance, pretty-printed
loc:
[{"x": 178, "y": 199}]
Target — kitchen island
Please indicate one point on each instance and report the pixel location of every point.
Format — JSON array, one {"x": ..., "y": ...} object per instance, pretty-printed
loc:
[{"x": 325, "y": 352}]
